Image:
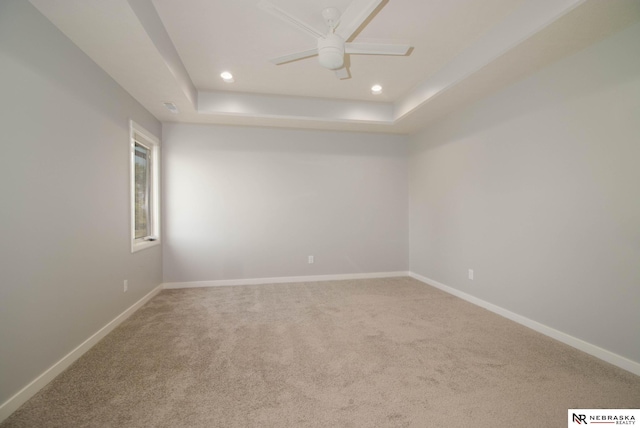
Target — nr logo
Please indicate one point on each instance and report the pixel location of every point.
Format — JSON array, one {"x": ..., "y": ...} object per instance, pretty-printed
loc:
[{"x": 580, "y": 419}]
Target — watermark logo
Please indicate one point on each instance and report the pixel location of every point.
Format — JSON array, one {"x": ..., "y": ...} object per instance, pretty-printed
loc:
[
  {"x": 580, "y": 419},
  {"x": 599, "y": 417}
]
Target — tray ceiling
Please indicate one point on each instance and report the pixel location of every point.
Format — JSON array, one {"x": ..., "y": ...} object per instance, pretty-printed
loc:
[{"x": 174, "y": 51}]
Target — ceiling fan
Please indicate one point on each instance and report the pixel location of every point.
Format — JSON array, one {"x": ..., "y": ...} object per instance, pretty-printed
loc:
[{"x": 333, "y": 46}]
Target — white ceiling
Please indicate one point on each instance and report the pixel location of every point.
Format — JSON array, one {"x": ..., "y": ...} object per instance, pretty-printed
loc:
[
  {"x": 170, "y": 50},
  {"x": 249, "y": 37}
]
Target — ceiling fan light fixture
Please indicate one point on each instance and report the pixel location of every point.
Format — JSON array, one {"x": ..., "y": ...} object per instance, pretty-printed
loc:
[
  {"x": 332, "y": 45},
  {"x": 227, "y": 77},
  {"x": 376, "y": 89},
  {"x": 331, "y": 52}
]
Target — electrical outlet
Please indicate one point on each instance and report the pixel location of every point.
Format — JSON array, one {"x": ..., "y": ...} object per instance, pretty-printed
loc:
[
  {"x": 471, "y": 274},
  {"x": 311, "y": 260},
  {"x": 126, "y": 285}
]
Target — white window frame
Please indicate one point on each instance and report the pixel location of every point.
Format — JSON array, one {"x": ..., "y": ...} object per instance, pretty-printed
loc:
[{"x": 140, "y": 135}]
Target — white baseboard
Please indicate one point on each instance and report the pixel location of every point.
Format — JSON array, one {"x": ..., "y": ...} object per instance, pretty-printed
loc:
[
  {"x": 282, "y": 280},
  {"x": 12, "y": 404},
  {"x": 596, "y": 351}
]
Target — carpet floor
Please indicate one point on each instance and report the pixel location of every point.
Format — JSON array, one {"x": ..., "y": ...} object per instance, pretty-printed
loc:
[{"x": 363, "y": 353}]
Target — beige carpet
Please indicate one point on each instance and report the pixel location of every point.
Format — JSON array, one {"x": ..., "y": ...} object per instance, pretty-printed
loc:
[{"x": 367, "y": 353}]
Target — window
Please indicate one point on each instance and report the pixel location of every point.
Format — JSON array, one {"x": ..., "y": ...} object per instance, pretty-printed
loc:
[{"x": 145, "y": 188}]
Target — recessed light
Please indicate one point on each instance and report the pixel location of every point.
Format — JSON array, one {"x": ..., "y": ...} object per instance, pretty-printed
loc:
[
  {"x": 376, "y": 89},
  {"x": 171, "y": 107},
  {"x": 227, "y": 77}
]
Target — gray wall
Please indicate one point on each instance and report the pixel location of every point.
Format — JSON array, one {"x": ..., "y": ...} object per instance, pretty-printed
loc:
[
  {"x": 254, "y": 203},
  {"x": 537, "y": 189},
  {"x": 64, "y": 218}
]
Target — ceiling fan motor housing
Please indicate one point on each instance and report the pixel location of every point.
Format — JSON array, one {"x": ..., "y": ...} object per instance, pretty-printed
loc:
[{"x": 331, "y": 52}]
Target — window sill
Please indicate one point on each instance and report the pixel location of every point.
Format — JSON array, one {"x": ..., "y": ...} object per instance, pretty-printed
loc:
[{"x": 143, "y": 245}]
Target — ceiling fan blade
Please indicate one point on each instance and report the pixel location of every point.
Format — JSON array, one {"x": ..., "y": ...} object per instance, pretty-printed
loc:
[
  {"x": 376, "y": 49},
  {"x": 343, "y": 73},
  {"x": 290, "y": 19},
  {"x": 294, "y": 56},
  {"x": 353, "y": 17}
]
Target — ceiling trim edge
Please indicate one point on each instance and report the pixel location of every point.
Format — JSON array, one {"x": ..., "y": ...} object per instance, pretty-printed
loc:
[{"x": 148, "y": 16}]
